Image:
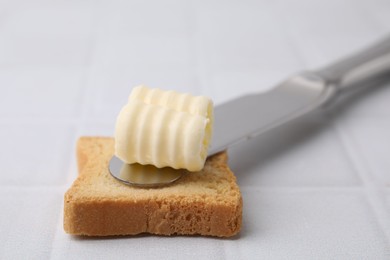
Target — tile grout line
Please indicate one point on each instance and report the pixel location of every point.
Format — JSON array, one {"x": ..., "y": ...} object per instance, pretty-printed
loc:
[
  {"x": 75, "y": 120},
  {"x": 369, "y": 13},
  {"x": 372, "y": 188},
  {"x": 294, "y": 45},
  {"x": 79, "y": 122},
  {"x": 18, "y": 188},
  {"x": 53, "y": 121},
  {"x": 242, "y": 188},
  {"x": 301, "y": 189}
]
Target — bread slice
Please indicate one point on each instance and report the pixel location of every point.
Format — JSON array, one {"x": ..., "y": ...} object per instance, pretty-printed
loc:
[{"x": 207, "y": 203}]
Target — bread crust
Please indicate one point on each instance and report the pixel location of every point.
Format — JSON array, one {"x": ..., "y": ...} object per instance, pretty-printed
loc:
[{"x": 208, "y": 202}]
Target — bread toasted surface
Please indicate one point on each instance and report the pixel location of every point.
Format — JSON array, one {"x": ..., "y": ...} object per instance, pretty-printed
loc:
[{"x": 207, "y": 202}]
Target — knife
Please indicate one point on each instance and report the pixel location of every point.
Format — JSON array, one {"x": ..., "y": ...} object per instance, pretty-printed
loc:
[{"x": 251, "y": 115}]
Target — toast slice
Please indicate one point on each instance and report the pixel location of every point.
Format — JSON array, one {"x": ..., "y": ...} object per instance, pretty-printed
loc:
[{"x": 207, "y": 203}]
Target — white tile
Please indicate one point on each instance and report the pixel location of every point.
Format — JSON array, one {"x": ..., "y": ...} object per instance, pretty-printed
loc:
[
  {"x": 307, "y": 225},
  {"x": 301, "y": 154},
  {"x": 40, "y": 92},
  {"x": 378, "y": 11},
  {"x": 369, "y": 137},
  {"x": 241, "y": 36},
  {"x": 35, "y": 154},
  {"x": 72, "y": 168},
  {"x": 41, "y": 51},
  {"x": 137, "y": 247},
  {"x": 131, "y": 33},
  {"x": 329, "y": 30},
  {"x": 70, "y": 20},
  {"x": 134, "y": 18},
  {"x": 146, "y": 51},
  {"x": 45, "y": 35},
  {"x": 29, "y": 224},
  {"x": 96, "y": 129}
]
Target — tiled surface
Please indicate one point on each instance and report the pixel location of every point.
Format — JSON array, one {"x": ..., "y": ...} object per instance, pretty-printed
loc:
[
  {"x": 361, "y": 134},
  {"x": 314, "y": 189},
  {"x": 28, "y": 222},
  {"x": 29, "y": 92},
  {"x": 35, "y": 155},
  {"x": 300, "y": 223}
]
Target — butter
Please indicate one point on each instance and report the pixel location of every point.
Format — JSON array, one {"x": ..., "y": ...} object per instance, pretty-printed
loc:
[{"x": 164, "y": 128}]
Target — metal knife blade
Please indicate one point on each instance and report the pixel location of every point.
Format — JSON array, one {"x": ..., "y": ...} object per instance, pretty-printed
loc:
[{"x": 247, "y": 116}]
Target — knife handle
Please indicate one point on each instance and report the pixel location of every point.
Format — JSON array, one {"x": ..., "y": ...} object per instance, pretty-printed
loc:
[{"x": 356, "y": 70}]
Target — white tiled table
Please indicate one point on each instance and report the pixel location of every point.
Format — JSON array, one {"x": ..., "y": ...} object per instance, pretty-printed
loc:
[{"x": 318, "y": 189}]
